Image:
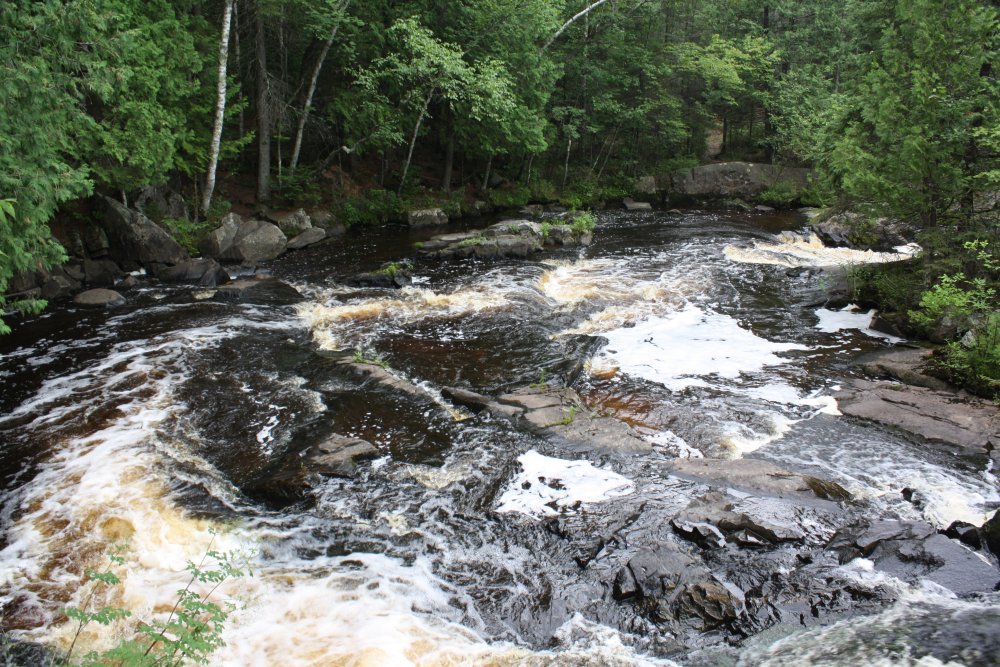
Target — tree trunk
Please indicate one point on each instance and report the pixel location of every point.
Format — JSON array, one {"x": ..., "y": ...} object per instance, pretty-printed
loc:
[
  {"x": 570, "y": 22},
  {"x": 413, "y": 140},
  {"x": 569, "y": 145},
  {"x": 220, "y": 109},
  {"x": 263, "y": 115},
  {"x": 239, "y": 60},
  {"x": 486, "y": 176},
  {"x": 449, "y": 158},
  {"x": 307, "y": 106}
]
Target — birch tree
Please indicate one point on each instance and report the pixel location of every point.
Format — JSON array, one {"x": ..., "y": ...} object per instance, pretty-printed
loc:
[{"x": 220, "y": 108}]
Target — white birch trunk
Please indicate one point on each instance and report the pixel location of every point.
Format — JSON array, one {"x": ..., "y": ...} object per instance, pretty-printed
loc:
[
  {"x": 567, "y": 24},
  {"x": 220, "y": 109}
]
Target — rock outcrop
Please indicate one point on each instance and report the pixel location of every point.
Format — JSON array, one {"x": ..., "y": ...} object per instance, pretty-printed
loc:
[
  {"x": 245, "y": 241},
  {"x": 134, "y": 240},
  {"x": 510, "y": 238},
  {"x": 427, "y": 217},
  {"x": 736, "y": 180}
]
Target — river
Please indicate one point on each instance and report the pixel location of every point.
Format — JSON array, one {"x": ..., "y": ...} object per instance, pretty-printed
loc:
[{"x": 469, "y": 540}]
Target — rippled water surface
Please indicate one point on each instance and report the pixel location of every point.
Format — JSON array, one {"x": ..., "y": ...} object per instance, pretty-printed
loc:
[{"x": 164, "y": 425}]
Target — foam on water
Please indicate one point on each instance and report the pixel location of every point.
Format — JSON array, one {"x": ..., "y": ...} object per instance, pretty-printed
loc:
[
  {"x": 690, "y": 348},
  {"x": 851, "y": 317},
  {"x": 547, "y": 486},
  {"x": 794, "y": 250}
]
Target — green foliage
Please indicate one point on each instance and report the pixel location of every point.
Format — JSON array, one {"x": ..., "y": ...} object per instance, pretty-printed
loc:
[
  {"x": 374, "y": 207},
  {"x": 583, "y": 222},
  {"x": 191, "y": 631},
  {"x": 779, "y": 195},
  {"x": 188, "y": 232},
  {"x": 390, "y": 269},
  {"x": 369, "y": 356}
]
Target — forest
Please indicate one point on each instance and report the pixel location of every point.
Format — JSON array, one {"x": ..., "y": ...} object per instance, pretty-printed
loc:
[{"x": 367, "y": 107}]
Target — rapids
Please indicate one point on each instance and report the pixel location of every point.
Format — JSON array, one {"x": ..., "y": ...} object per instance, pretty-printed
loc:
[{"x": 161, "y": 424}]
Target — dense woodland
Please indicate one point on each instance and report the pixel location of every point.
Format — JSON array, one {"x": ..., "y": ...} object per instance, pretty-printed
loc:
[{"x": 362, "y": 107}]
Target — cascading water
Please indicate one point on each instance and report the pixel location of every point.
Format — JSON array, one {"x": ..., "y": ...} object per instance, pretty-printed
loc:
[{"x": 469, "y": 540}]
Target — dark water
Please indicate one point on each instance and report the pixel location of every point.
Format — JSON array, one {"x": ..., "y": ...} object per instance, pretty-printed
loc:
[{"x": 171, "y": 419}]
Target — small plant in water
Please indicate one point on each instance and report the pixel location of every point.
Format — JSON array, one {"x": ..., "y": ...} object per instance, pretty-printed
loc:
[
  {"x": 191, "y": 631},
  {"x": 369, "y": 356}
]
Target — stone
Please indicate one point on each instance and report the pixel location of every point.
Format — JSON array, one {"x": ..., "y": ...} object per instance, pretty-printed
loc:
[
  {"x": 907, "y": 365},
  {"x": 758, "y": 476},
  {"x": 266, "y": 292},
  {"x": 532, "y": 210},
  {"x": 942, "y": 416},
  {"x": 292, "y": 223},
  {"x": 966, "y": 533},
  {"x": 321, "y": 218},
  {"x": 736, "y": 179},
  {"x": 218, "y": 241},
  {"x": 466, "y": 398},
  {"x": 134, "y": 239},
  {"x": 203, "y": 271},
  {"x": 256, "y": 241},
  {"x": 58, "y": 286},
  {"x": 990, "y": 534},
  {"x": 390, "y": 274},
  {"x": 633, "y": 205},
  {"x": 645, "y": 185},
  {"x": 339, "y": 455},
  {"x": 95, "y": 242},
  {"x": 99, "y": 297},
  {"x": 307, "y": 238},
  {"x": 428, "y": 217},
  {"x": 159, "y": 202},
  {"x": 761, "y": 208},
  {"x": 101, "y": 271}
]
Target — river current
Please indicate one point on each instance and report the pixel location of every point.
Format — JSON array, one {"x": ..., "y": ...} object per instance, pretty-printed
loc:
[{"x": 160, "y": 425}]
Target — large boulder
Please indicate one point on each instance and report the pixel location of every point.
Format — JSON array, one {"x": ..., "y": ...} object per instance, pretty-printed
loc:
[
  {"x": 292, "y": 223},
  {"x": 218, "y": 241},
  {"x": 428, "y": 217},
  {"x": 205, "y": 272},
  {"x": 266, "y": 291},
  {"x": 307, "y": 238},
  {"x": 158, "y": 202},
  {"x": 339, "y": 455},
  {"x": 257, "y": 241},
  {"x": 99, "y": 297},
  {"x": 737, "y": 180},
  {"x": 134, "y": 239}
]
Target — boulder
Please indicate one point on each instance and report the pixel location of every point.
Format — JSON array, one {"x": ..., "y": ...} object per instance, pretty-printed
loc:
[
  {"x": 101, "y": 271},
  {"x": 292, "y": 223},
  {"x": 159, "y": 202},
  {"x": 95, "y": 242},
  {"x": 339, "y": 455},
  {"x": 645, "y": 185},
  {"x": 428, "y": 217},
  {"x": 756, "y": 476},
  {"x": 761, "y": 208},
  {"x": 990, "y": 534},
  {"x": 218, "y": 242},
  {"x": 58, "y": 286},
  {"x": 307, "y": 238},
  {"x": 736, "y": 180},
  {"x": 204, "y": 272},
  {"x": 390, "y": 274},
  {"x": 99, "y": 297},
  {"x": 255, "y": 241},
  {"x": 633, "y": 205},
  {"x": 854, "y": 230},
  {"x": 509, "y": 238},
  {"x": 134, "y": 239},
  {"x": 268, "y": 291}
]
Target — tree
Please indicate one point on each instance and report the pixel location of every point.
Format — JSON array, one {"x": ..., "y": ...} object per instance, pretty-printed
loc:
[{"x": 220, "y": 108}]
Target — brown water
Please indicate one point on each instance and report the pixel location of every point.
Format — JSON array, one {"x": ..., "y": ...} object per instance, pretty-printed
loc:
[{"x": 162, "y": 424}]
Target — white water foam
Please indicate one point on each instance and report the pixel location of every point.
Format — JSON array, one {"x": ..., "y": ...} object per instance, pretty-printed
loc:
[
  {"x": 851, "y": 317},
  {"x": 684, "y": 348},
  {"x": 793, "y": 250},
  {"x": 547, "y": 486}
]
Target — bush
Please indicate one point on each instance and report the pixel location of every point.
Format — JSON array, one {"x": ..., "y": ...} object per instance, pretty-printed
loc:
[
  {"x": 188, "y": 232},
  {"x": 374, "y": 207}
]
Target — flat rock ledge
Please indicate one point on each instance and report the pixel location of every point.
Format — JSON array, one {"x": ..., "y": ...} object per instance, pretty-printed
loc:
[
  {"x": 510, "y": 238},
  {"x": 557, "y": 412},
  {"x": 903, "y": 396}
]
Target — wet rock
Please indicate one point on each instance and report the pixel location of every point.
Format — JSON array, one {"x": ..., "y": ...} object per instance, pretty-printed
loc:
[
  {"x": 853, "y": 230},
  {"x": 965, "y": 533},
  {"x": 204, "y": 272},
  {"x": 990, "y": 534},
  {"x": 101, "y": 271},
  {"x": 99, "y": 297},
  {"x": 914, "y": 550},
  {"x": 134, "y": 239},
  {"x": 761, "y": 208},
  {"x": 701, "y": 533},
  {"x": 339, "y": 455},
  {"x": 759, "y": 477},
  {"x": 269, "y": 292},
  {"x": 532, "y": 210},
  {"x": 159, "y": 202},
  {"x": 673, "y": 585},
  {"x": 95, "y": 242},
  {"x": 962, "y": 421},
  {"x": 428, "y": 217},
  {"x": 307, "y": 238},
  {"x": 509, "y": 238},
  {"x": 560, "y": 413},
  {"x": 466, "y": 398},
  {"x": 292, "y": 223},
  {"x": 633, "y": 205},
  {"x": 128, "y": 282},
  {"x": 390, "y": 274}
]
